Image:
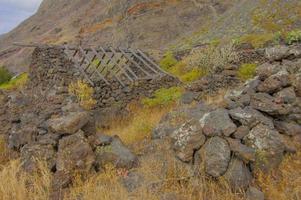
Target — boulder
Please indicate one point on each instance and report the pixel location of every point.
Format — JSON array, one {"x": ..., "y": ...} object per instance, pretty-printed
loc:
[
  {"x": 188, "y": 97},
  {"x": 217, "y": 123},
  {"x": 288, "y": 127},
  {"x": 242, "y": 151},
  {"x": 173, "y": 120},
  {"x": 117, "y": 154},
  {"x": 20, "y": 136},
  {"x": 268, "y": 145},
  {"x": 274, "y": 83},
  {"x": 287, "y": 95},
  {"x": 254, "y": 194},
  {"x": 70, "y": 123},
  {"x": 297, "y": 84},
  {"x": 250, "y": 117},
  {"x": 266, "y": 70},
  {"x": 187, "y": 139},
  {"x": 215, "y": 156},
  {"x": 238, "y": 175},
  {"x": 31, "y": 153},
  {"x": 277, "y": 53},
  {"x": 266, "y": 103},
  {"x": 74, "y": 153},
  {"x": 241, "y": 132}
]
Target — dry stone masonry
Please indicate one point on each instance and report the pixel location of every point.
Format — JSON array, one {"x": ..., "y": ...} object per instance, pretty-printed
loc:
[
  {"x": 52, "y": 66},
  {"x": 259, "y": 123}
]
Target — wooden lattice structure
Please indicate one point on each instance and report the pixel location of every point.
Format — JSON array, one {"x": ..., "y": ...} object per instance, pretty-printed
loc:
[{"x": 111, "y": 64}]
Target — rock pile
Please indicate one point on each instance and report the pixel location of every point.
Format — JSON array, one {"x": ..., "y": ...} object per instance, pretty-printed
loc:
[{"x": 252, "y": 131}]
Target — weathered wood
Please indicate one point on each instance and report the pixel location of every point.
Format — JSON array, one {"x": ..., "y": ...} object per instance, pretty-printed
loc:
[
  {"x": 135, "y": 63},
  {"x": 143, "y": 61},
  {"x": 124, "y": 65}
]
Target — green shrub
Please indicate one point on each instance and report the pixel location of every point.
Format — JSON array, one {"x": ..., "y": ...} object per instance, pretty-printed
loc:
[
  {"x": 163, "y": 96},
  {"x": 259, "y": 40},
  {"x": 15, "y": 83},
  {"x": 193, "y": 75},
  {"x": 276, "y": 15},
  {"x": 168, "y": 61},
  {"x": 293, "y": 37},
  {"x": 5, "y": 75},
  {"x": 247, "y": 71}
]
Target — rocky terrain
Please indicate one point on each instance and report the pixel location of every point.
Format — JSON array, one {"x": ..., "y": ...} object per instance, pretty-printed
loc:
[
  {"x": 256, "y": 126},
  {"x": 108, "y": 23},
  {"x": 222, "y": 122}
]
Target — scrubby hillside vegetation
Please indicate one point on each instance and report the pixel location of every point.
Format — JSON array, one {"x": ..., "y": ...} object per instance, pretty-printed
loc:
[{"x": 228, "y": 129}]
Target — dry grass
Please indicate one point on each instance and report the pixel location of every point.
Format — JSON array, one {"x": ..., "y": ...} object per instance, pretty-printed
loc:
[
  {"x": 16, "y": 184},
  {"x": 3, "y": 151},
  {"x": 285, "y": 182},
  {"x": 139, "y": 124}
]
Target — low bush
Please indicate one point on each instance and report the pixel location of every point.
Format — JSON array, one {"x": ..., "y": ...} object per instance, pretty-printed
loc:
[
  {"x": 84, "y": 94},
  {"x": 5, "y": 75},
  {"x": 15, "y": 83},
  {"x": 193, "y": 75},
  {"x": 168, "y": 61},
  {"x": 293, "y": 37},
  {"x": 247, "y": 71},
  {"x": 259, "y": 40},
  {"x": 163, "y": 97}
]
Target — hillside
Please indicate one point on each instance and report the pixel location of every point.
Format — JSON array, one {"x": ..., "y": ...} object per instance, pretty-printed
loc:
[{"x": 150, "y": 24}]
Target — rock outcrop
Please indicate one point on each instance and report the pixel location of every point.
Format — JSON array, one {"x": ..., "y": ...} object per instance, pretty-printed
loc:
[{"x": 251, "y": 131}]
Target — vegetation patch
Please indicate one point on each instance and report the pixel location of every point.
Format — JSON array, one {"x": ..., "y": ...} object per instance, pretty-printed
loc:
[
  {"x": 5, "y": 75},
  {"x": 163, "y": 97},
  {"x": 138, "y": 125},
  {"x": 276, "y": 15},
  {"x": 247, "y": 71},
  {"x": 293, "y": 37},
  {"x": 168, "y": 61},
  {"x": 15, "y": 83},
  {"x": 84, "y": 94},
  {"x": 258, "y": 40}
]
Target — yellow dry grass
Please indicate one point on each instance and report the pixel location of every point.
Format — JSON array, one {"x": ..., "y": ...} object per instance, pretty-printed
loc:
[
  {"x": 285, "y": 182},
  {"x": 161, "y": 172},
  {"x": 139, "y": 124},
  {"x": 16, "y": 184}
]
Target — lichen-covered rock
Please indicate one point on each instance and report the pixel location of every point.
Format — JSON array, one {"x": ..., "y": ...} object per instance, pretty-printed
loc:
[
  {"x": 238, "y": 175},
  {"x": 241, "y": 132},
  {"x": 173, "y": 120},
  {"x": 274, "y": 83},
  {"x": 117, "y": 154},
  {"x": 287, "y": 95},
  {"x": 242, "y": 151},
  {"x": 266, "y": 70},
  {"x": 297, "y": 84},
  {"x": 277, "y": 53},
  {"x": 31, "y": 153},
  {"x": 266, "y": 103},
  {"x": 215, "y": 156},
  {"x": 74, "y": 153},
  {"x": 21, "y": 136},
  {"x": 217, "y": 123},
  {"x": 187, "y": 139},
  {"x": 254, "y": 194},
  {"x": 288, "y": 127},
  {"x": 250, "y": 117},
  {"x": 70, "y": 123},
  {"x": 268, "y": 145}
]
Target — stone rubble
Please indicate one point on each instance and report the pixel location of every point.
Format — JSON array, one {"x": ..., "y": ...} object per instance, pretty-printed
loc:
[{"x": 258, "y": 124}]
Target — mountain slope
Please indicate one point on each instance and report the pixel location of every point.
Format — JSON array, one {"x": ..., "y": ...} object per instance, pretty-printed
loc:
[{"x": 150, "y": 24}]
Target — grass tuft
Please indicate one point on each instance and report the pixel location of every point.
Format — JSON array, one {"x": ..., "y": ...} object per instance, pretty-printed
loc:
[
  {"x": 163, "y": 97},
  {"x": 247, "y": 71},
  {"x": 15, "y": 83}
]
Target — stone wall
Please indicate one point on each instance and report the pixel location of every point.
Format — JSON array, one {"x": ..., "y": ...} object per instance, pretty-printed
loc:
[{"x": 51, "y": 67}]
